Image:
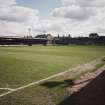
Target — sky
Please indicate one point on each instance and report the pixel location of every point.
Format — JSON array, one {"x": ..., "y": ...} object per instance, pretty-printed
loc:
[
  {"x": 44, "y": 6},
  {"x": 75, "y": 17}
]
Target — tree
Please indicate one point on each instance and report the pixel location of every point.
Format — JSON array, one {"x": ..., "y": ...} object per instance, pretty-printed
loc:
[
  {"x": 58, "y": 36},
  {"x": 69, "y": 36},
  {"x": 93, "y": 35}
]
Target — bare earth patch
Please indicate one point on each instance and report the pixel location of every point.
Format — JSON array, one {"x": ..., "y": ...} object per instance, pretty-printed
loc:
[{"x": 85, "y": 79}]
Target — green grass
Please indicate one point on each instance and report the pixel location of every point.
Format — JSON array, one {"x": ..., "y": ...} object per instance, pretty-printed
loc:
[
  {"x": 22, "y": 65},
  {"x": 43, "y": 95},
  {"x": 3, "y": 91}
]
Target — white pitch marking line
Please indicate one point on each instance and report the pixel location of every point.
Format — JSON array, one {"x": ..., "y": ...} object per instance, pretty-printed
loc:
[
  {"x": 6, "y": 89},
  {"x": 40, "y": 81}
]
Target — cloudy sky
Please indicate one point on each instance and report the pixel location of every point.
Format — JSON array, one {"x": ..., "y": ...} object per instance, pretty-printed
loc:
[{"x": 75, "y": 17}]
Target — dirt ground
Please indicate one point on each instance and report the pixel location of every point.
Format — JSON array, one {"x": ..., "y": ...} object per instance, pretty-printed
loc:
[{"x": 89, "y": 90}]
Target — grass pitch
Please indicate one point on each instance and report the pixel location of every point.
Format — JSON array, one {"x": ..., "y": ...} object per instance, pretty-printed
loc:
[{"x": 22, "y": 65}]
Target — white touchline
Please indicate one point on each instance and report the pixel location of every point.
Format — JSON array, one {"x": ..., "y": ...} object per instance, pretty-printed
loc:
[
  {"x": 6, "y": 89},
  {"x": 40, "y": 81}
]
